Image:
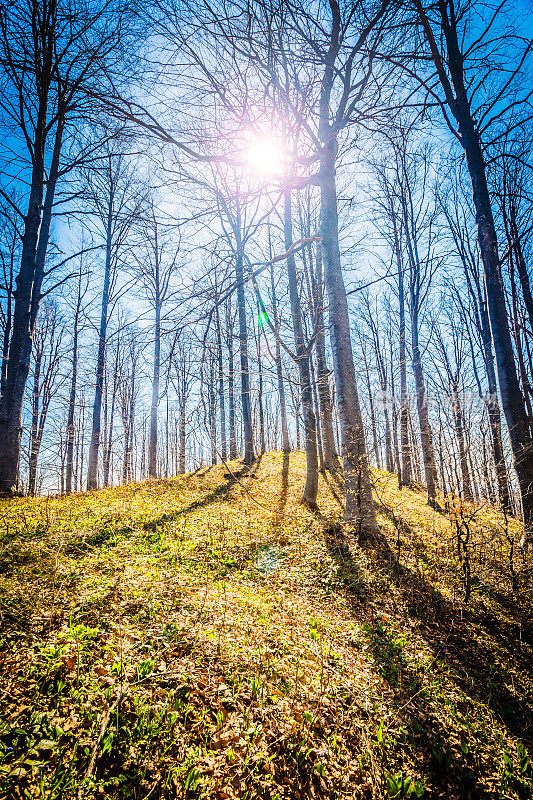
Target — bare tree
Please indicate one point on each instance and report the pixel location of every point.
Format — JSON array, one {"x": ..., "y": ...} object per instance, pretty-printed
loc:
[
  {"x": 156, "y": 258},
  {"x": 456, "y": 213},
  {"x": 454, "y": 53},
  {"x": 82, "y": 285},
  {"x": 418, "y": 216},
  {"x": 47, "y": 356},
  {"x": 113, "y": 197},
  {"x": 50, "y": 53}
]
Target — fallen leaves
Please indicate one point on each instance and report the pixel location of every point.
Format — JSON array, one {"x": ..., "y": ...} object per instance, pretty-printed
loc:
[{"x": 251, "y": 653}]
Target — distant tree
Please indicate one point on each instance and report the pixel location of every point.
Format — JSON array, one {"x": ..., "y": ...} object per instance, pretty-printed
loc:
[
  {"x": 81, "y": 290},
  {"x": 114, "y": 200},
  {"x": 47, "y": 358},
  {"x": 155, "y": 255},
  {"x": 465, "y": 58},
  {"x": 53, "y": 55}
]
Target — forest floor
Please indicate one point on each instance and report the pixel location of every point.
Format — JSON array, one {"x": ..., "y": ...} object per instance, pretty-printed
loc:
[{"x": 207, "y": 637}]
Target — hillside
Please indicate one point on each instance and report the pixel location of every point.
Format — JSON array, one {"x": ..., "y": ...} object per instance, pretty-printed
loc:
[{"x": 206, "y": 636}]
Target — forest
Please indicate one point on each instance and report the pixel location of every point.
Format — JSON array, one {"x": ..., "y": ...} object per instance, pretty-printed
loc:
[{"x": 266, "y": 399}]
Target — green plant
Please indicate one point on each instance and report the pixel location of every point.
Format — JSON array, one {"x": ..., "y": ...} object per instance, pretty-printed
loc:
[
  {"x": 145, "y": 668},
  {"x": 403, "y": 786},
  {"x": 517, "y": 779}
]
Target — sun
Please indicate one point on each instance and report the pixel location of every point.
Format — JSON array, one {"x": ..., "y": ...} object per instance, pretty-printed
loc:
[{"x": 264, "y": 156}]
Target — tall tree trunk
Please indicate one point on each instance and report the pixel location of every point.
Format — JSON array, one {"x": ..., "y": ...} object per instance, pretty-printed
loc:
[
  {"x": 511, "y": 395},
  {"x": 262, "y": 443},
  {"x": 28, "y": 296},
  {"x": 34, "y": 442},
  {"x": 243, "y": 345},
  {"x": 382, "y": 372},
  {"x": 319, "y": 426},
  {"x": 426, "y": 435},
  {"x": 302, "y": 354},
  {"x": 515, "y": 327},
  {"x": 395, "y": 418},
  {"x": 359, "y": 503},
  {"x": 331, "y": 457},
  {"x": 372, "y": 416},
  {"x": 493, "y": 411},
  {"x": 221, "y": 398},
  {"x": 152, "y": 449},
  {"x": 516, "y": 245},
  {"x": 279, "y": 369},
  {"x": 231, "y": 392},
  {"x": 182, "y": 438},
  {"x": 460, "y": 433},
  {"x": 211, "y": 409},
  {"x": 478, "y": 295},
  {"x": 72, "y": 399},
  {"x": 415, "y": 451},
  {"x": 406, "y": 470},
  {"x": 109, "y": 446},
  {"x": 92, "y": 465},
  {"x": 296, "y": 406}
]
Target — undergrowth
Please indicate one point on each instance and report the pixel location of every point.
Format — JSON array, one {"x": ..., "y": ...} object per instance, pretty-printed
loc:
[{"x": 207, "y": 637}]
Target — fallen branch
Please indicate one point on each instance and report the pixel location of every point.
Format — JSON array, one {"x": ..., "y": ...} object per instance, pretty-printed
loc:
[{"x": 92, "y": 763}]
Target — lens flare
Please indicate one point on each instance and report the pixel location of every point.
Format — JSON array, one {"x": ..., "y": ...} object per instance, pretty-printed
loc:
[{"x": 265, "y": 156}]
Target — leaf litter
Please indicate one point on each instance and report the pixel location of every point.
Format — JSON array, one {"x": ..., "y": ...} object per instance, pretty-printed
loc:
[{"x": 173, "y": 639}]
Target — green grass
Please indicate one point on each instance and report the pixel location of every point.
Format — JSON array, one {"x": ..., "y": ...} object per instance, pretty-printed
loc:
[{"x": 207, "y": 637}]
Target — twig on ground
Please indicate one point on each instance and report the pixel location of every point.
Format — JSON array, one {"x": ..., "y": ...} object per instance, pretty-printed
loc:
[{"x": 92, "y": 763}]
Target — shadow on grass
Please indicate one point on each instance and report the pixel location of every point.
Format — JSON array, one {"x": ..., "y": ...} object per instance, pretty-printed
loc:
[
  {"x": 387, "y": 650},
  {"x": 473, "y": 659},
  {"x": 220, "y": 492},
  {"x": 333, "y": 478},
  {"x": 476, "y": 669},
  {"x": 478, "y": 651},
  {"x": 282, "y": 501}
]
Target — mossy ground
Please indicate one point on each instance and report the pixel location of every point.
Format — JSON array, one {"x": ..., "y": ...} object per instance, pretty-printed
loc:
[{"x": 207, "y": 637}]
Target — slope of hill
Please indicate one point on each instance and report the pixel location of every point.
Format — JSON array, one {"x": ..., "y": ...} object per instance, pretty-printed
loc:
[{"x": 206, "y": 636}]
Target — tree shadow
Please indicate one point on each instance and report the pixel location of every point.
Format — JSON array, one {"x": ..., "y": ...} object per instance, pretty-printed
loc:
[
  {"x": 478, "y": 650},
  {"x": 447, "y": 629},
  {"x": 282, "y": 501},
  {"x": 219, "y": 493},
  {"x": 331, "y": 487},
  {"x": 387, "y": 651}
]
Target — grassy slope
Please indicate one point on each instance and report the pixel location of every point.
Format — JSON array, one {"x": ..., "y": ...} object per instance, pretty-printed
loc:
[{"x": 247, "y": 649}]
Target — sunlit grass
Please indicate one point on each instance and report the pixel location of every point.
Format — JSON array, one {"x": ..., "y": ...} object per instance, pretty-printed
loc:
[{"x": 250, "y": 649}]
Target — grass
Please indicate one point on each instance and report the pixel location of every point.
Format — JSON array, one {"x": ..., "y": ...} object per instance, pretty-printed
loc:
[{"x": 207, "y": 637}]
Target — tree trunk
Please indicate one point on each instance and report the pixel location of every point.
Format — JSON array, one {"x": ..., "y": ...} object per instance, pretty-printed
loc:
[
  {"x": 359, "y": 504},
  {"x": 27, "y": 298},
  {"x": 426, "y": 435},
  {"x": 460, "y": 433},
  {"x": 395, "y": 418},
  {"x": 109, "y": 446},
  {"x": 243, "y": 347},
  {"x": 231, "y": 393},
  {"x": 92, "y": 465},
  {"x": 302, "y": 354},
  {"x": 152, "y": 449},
  {"x": 279, "y": 369},
  {"x": 34, "y": 443},
  {"x": 511, "y": 395},
  {"x": 221, "y": 398},
  {"x": 72, "y": 398},
  {"x": 319, "y": 427},
  {"x": 372, "y": 417},
  {"x": 262, "y": 442},
  {"x": 182, "y": 438},
  {"x": 406, "y": 471},
  {"x": 520, "y": 262},
  {"x": 211, "y": 411},
  {"x": 331, "y": 457}
]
